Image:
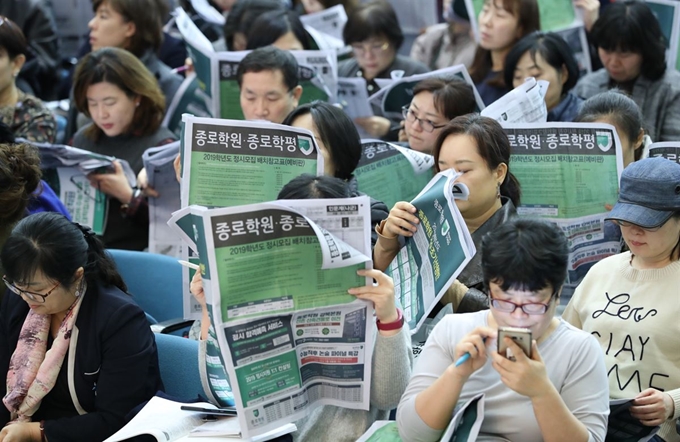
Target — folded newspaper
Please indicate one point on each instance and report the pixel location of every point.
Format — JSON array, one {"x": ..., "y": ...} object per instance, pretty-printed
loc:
[
  {"x": 276, "y": 277},
  {"x": 623, "y": 427},
  {"x": 464, "y": 426},
  {"x": 164, "y": 420},
  {"x": 523, "y": 104},
  {"x": 439, "y": 250},
  {"x": 65, "y": 169},
  {"x": 161, "y": 175}
]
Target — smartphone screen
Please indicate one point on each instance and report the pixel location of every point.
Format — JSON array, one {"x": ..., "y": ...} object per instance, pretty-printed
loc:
[{"x": 521, "y": 336}]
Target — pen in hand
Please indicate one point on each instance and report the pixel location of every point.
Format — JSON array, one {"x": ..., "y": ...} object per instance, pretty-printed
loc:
[{"x": 461, "y": 360}]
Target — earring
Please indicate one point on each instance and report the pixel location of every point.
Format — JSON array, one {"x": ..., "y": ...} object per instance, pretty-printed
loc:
[
  {"x": 137, "y": 104},
  {"x": 498, "y": 190},
  {"x": 15, "y": 74}
]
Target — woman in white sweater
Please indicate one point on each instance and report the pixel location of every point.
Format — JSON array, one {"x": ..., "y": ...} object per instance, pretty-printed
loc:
[
  {"x": 629, "y": 301},
  {"x": 557, "y": 393}
]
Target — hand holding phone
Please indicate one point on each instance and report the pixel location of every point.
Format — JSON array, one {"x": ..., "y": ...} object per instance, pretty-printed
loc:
[{"x": 521, "y": 336}]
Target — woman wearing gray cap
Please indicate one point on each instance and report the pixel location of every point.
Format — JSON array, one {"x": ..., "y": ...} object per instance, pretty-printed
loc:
[{"x": 630, "y": 301}]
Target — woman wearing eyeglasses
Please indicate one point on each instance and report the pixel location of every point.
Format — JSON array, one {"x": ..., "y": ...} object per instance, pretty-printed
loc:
[
  {"x": 373, "y": 32},
  {"x": 113, "y": 88},
  {"x": 436, "y": 101},
  {"x": 478, "y": 148},
  {"x": 629, "y": 301},
  {"x": 557, "y": 393},
  {"x": 76, "y": 352}
]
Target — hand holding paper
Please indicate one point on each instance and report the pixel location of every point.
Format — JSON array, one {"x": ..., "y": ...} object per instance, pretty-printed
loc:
[{"x": 381, "y": 294}]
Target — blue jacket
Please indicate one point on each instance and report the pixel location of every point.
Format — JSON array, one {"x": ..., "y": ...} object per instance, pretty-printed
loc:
[
  {"x": 45, "y": 200},
  {"x": 111, "y": 364}
]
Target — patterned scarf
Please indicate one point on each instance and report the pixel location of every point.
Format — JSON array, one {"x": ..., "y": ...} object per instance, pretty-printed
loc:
[{"x": 33, "y": 370}]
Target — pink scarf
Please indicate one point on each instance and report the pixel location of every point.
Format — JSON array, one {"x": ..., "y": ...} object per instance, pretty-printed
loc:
[{"x": 33, "y": 370}]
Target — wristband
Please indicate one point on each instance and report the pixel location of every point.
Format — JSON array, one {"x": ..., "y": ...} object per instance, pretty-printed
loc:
[{"x": 396, "y": 325}]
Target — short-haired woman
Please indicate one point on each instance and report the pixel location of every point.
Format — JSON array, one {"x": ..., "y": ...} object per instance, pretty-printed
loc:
[
  {"x": 76, "y": 352},
  {"x": 556, "y": 392},
  {"x": 114, "y": 89},
  {"x": 436, "y": 101},
  {"x": 546, "y": 56},
  {"x": 631, "y": 47}
]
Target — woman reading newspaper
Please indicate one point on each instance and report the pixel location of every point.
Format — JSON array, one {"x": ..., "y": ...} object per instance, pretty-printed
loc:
[
  {"x": 629, "y": 301},
  {"x": 552, "y": 389},
  {"x": 126, "y": 105},
  {"x": 478, "y": 148},
  {"x": 392, "y": 356}
]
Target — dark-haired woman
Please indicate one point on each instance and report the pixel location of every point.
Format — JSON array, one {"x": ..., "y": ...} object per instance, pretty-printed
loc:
[
  {"x": 546, "y": 56},
  {"x": 241, "y": 18},
  {"x": 616, "y": 108},
  {"x": 340, "y": 145},
  {"x": 436, "y": 101},
  {"x": 631, "y": 47},
  {"x": 123, "y": 99},
  {"x": 501, "y": 24},
  {"x": 26, "y": 115},
  {"x": 478, "y": 148},
  {"x": 555, "y": 393},
  {"x": 373, "y": 32},
  {"x": 76, "y": 352},
  {"x": 280, "y": 28}
]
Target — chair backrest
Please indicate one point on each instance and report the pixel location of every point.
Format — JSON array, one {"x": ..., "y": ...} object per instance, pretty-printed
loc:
[
  {"x": 153, "y": 280},
  {"x": 178, "y": 362}
]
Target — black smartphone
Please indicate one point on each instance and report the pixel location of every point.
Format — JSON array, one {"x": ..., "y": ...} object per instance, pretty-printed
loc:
[{"x": 211, "y": 411}]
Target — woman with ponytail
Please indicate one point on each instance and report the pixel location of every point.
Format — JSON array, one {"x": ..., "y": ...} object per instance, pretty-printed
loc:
[
  {"x": 76, "y": 351},
  {"x": 478, "y": 148}
]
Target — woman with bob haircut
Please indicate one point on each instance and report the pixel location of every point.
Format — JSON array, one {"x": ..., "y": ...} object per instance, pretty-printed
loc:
[
  {"x": 240, "y": 21},
  {"x": 114, "y": 89},
  {"x": 25, "y": 114},
  {"x": 280, "y": 28},
  {"x": 632, "y": 49},
  {"x": 477, "y": 147},
  {"x": 628, "y": 302},
  {"x": 501, "y": 24},
  {"x": 436, "y": 101},
  {"x": 76, "y": 351},
  {"x": 340, "y": 146},
  {"x": 136, "y": 26},
  {"x": 554, "y": 394},
  {"x": 373, "y": 32},
  {"x": 546, "y": 56}
]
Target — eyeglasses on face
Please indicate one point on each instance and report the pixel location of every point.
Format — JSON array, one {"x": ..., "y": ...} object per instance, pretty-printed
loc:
[
  {"x": 427, "y": 125},
  {"x": 531, "y": 308},
  {"x": 37, "y": 297},
  {"x": 627, "y": 224},
  {"x": 375, "y": 48}
]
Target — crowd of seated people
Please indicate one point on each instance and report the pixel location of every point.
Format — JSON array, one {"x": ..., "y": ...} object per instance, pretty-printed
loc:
[{"x": 77, "y": 352}]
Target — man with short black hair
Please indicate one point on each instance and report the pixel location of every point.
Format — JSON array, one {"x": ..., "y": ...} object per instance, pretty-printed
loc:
[{"x": 268, "y": 80}]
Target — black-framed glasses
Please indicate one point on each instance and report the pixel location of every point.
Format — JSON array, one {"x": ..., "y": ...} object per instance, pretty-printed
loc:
[
  {"x": 38, "y": 297},
  {"x": 627, "y": 224},
  {"x": 531, "y": 308},
  {"x": 427, "y": 125}
]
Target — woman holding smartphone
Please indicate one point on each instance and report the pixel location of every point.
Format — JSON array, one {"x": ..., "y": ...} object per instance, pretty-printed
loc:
[{"x": 556, "y": 394}]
